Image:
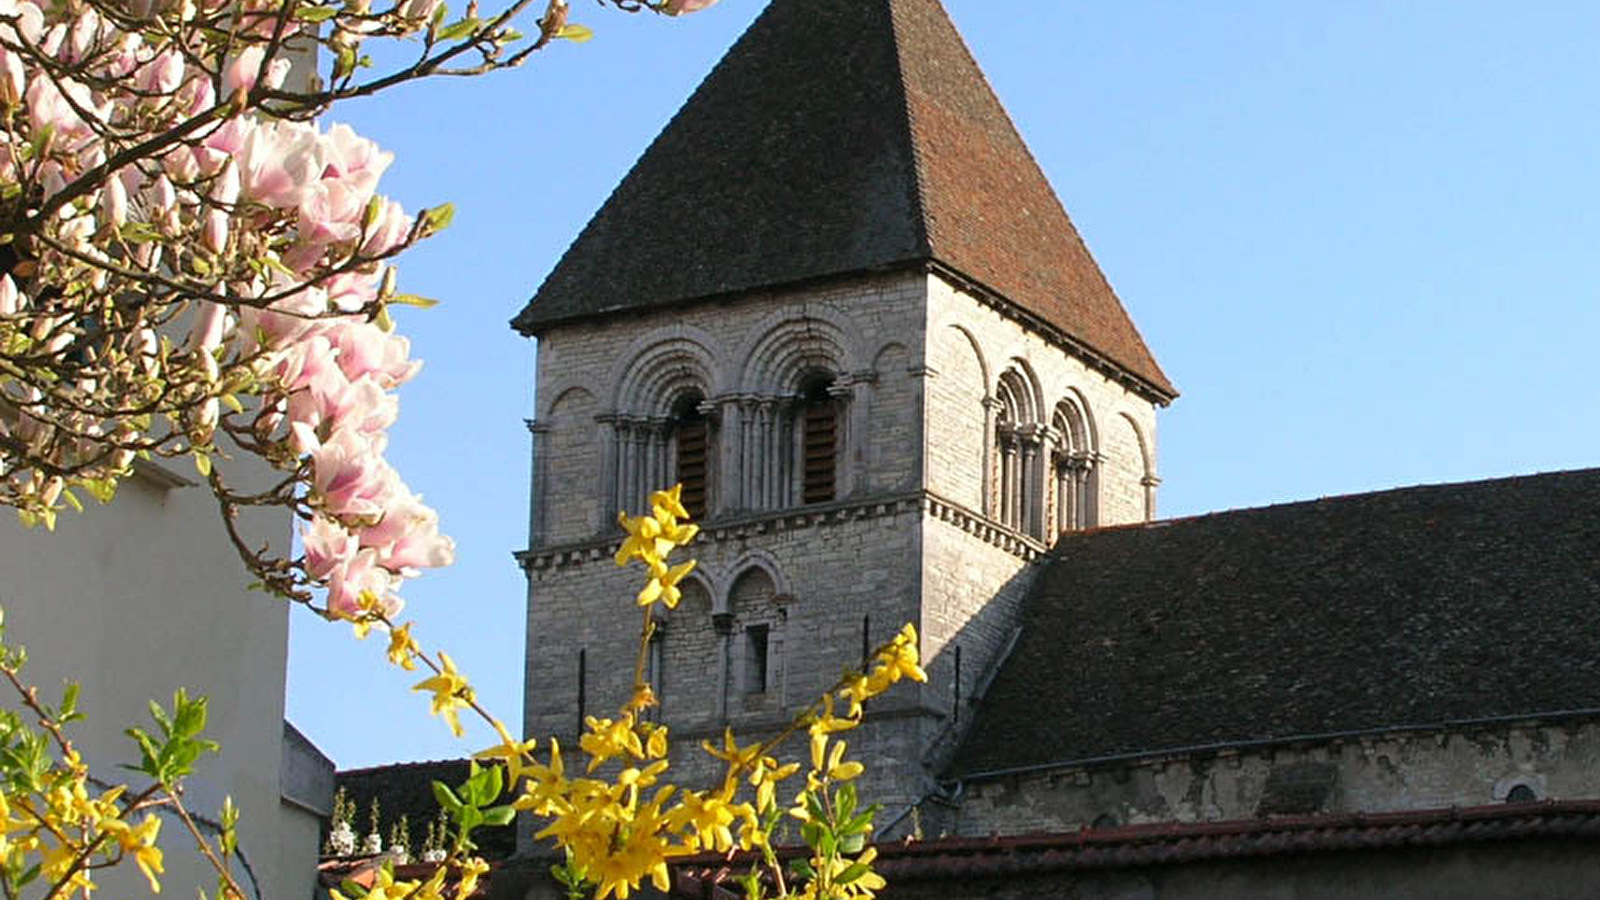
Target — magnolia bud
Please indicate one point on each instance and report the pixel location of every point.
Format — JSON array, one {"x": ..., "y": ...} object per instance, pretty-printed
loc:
[
  {"x": 13, "y": 82},
  {"x": 209, "y": 323},
  {"x": 215, "y": 235},
  {"x": 10, "y": 297},
  {"x": 52, "y": 490},
  {"x": 225, "y": 189},
  {"x": 114, "y": 202}
]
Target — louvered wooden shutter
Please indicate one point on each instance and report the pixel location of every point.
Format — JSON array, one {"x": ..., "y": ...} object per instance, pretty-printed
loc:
[
  {"x": 821, "y": 447},
  {"x": 692, "y": 437}
]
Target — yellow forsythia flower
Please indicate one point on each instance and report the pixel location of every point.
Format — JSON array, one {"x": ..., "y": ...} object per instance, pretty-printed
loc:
[{"x": 451, "y": 693}]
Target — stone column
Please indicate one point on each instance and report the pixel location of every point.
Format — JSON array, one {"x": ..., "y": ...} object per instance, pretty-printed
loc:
[
  {"x": 714, "y": 461},
  {"x": 846, "y": 433},
  {"x": 628, "y": 494},
  {"x": 730, "y": 435},
  {"x": 749, "y": 445},
  {"x": 608, "y": 462},
  {"x": 538, "y": 486},
  {"x": 861, "y": 388},
  {"x": 1150, "y": 483},
  {"x": 769, "y": 456},
  {"x": 991, "y": 409}
]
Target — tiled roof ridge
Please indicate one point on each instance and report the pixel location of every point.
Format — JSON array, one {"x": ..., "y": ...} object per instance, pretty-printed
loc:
[
  {"x": 913, "y": 147},
  {"x": 1349, "y": 497},
  {"x": 838, "y": 137},
  {"x": 1127, "y": 846},
  {"x": 407, "y": 764}
]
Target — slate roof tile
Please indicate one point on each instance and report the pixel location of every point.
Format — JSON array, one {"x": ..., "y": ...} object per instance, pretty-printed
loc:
[{"x": 1408, "y": 607}]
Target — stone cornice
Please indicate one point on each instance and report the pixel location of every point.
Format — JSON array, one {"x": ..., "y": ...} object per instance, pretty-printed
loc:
[{"x": 745, "y": 525}]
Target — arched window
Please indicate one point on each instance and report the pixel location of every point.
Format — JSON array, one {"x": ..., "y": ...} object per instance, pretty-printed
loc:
[
  {"x": 819, "y": 440},
  {"x": 691, "y": 447},
  {"x": 1018, "y": 457},
  {"x": 1072, "y": 466},
  {"x": 1521, "y": 794}
]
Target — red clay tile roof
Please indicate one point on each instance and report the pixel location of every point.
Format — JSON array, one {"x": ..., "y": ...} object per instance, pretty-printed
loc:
[
  {"x": 836, "y": 137},
  {"x": 708, "y": 878},
  {"x": 1406, "y": 608}
]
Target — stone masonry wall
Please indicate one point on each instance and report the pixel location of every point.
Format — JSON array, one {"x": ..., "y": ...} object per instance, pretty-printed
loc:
[
  {"x": 743, "y": 357},
  {"x": 970, "y": 345},
  {"x": 1380, "y": 773},
  {"x": 813, "y": 577}
]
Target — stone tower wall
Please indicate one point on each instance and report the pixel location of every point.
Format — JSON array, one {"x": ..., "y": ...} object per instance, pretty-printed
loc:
[
  {"x": 976, "y": 570},
  {"x": 926, "y": 379},
  {"x": 812, "y": 577}
]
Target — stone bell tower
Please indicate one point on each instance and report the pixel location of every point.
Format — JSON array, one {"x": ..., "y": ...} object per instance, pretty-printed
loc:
[{"x": 838, "y": 300}]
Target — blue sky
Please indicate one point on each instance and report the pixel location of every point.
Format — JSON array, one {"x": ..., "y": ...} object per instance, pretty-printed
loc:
[{"x": 1360, "y": 237}]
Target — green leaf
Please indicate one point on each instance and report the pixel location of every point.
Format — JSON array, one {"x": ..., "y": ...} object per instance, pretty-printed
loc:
[
  {"x": 851, "y": 873},
  {"x": 499, "y": 815},
  {"x": 232, "y": 403},
  {"x": 315, "y": 13},
  {"x": 447, "y": 798},
  {"x": 414, "y": 300},
  {"x": 460, "y": 29},
  {"x": 202, "y": 464},
  {"x": 72, "y": 500},
  {"x": 846, "y": 800},
  {"x": 578, "y": 34}
]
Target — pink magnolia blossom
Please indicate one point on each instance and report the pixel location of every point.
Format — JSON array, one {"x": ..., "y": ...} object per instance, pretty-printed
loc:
[
  {"x": 366, "y": 349},
  {"x": 327, "y": 545},
  {"x": 350, "y": 476},
  {"x": 407, "y": 538},
  {"x": 357, "y": 575}
]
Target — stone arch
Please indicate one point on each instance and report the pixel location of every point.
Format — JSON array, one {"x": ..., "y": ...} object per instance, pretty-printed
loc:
[
  {"x": 977, "y": 350},
  {"x": 788, "y": 345},
  {"x": 1071, "y": 481},
  {"x": 890, "y": 439},
  {"x": 659, "y": 367},
  {"x": 1091, "y": 426},
  {"x": 767, "y": 563},
  {"x": 1019, "y": 449},
  {"x": 686, "y": 639},
  {"x": 1127, "y": 481},
  {"x": 1018, "y": 390},
  {"x": 569, "y": 469},
  {"x": 957, "y": 445},
  {"x": 757, "y": 659}
]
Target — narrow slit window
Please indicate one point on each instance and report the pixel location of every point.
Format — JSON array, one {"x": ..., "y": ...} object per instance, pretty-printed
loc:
[
  {"x": 819, "y": 444},
  {"x": 692, "y": 435},
  {"x": 756, "y": 659}
]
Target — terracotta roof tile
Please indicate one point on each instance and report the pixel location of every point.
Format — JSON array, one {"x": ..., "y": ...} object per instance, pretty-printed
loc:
[
  {"x": 708, "y": 878},
  {"x": 841, "y": 136}
]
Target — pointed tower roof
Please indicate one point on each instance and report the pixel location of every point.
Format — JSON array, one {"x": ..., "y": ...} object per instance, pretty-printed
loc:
[{"x": 838, "y": 137}]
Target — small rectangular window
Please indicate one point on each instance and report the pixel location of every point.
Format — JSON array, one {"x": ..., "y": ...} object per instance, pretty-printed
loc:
[{"x": 755, "y": 659}]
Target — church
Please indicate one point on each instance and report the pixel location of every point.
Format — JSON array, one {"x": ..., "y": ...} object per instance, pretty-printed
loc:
[{"x": 837, "y": 300}]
